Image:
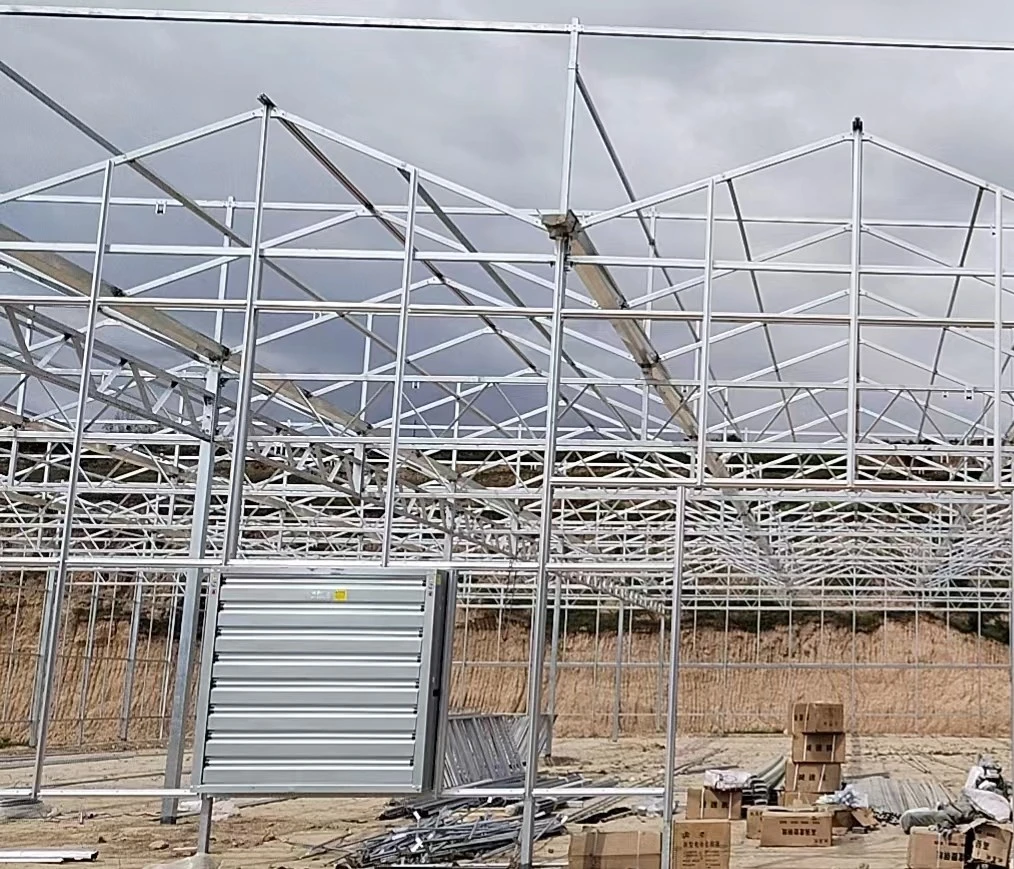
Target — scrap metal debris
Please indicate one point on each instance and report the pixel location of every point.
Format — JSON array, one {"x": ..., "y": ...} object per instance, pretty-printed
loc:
[
  {"x": 449, "y": 829},
  {"x": 440, "y": 841},
  {"x": 891, "y": 798},
  {"x": 22, "y": 809},
  {"x": 48, "y": 855},
  {"x": 487, "y": 747}
]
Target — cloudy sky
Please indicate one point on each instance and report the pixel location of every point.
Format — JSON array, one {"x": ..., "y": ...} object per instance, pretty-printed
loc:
[{"x": 486, "y": 111}]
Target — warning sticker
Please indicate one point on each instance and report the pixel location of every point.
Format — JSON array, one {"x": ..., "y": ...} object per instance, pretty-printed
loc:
[{"x": 341, "y": 595}]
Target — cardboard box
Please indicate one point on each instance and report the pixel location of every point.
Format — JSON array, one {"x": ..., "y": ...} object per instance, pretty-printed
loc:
[
  {"x": 800, "y": 829},
  {"x": 705, "y": 804},
  {"x": 841, "y": 817},
  {"x": 928, "y": 849},
  {"x": 818, "y": 747},
  {"x": 755, "y": 817},
  {"x": 817, "y": 718},
  {"x": 701, "y": 844},
  {"x": 615, "y": 849},
  {"x": 813, "y": 778},
  {"x": 864, "y": 819},
  {"x": 990, "y": 843},
  {"x": 753, "y": 820},
  {"x": 797, "y": 799}
]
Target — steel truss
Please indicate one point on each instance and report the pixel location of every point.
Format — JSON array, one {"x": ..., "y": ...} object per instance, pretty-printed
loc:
[{"x": 568, "y": 412}]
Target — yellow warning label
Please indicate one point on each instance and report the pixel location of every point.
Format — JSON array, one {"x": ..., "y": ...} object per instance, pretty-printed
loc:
[{"x": 341, "y": 595}]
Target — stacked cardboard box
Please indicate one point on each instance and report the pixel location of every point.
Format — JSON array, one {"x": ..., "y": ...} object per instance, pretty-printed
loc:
[
  {"x": 695, "y": 845},
  {"x": 982, "y": 843},
  {"x": 802, "y": 829},
  {"x": 701, "y": 844},
  {"x": 615, "y": 849},
  {"x": 707, "y": 804},
  {"x": 818, "y": 752}
]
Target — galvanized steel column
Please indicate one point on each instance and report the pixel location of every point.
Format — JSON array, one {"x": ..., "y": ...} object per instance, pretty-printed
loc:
[
  {"x": 672, "y": 705},
  {"x": 237, "y": 468},
  {"x": 852, "y": 435},
  {"x": 536, "y": 654},
  {"x": 401, "y": 353},
  {"x": 77, "y": 447},
  {"x": 186, "y": 648}
]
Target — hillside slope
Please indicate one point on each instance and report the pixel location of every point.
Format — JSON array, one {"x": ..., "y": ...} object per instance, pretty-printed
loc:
[{"x": 731, "y": 682}]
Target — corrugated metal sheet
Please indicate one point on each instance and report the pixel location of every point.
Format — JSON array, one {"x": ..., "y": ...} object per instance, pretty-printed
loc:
[
  {"x": 519, "y": 732},
  {"x": 896, "y": 796},
  {"x": 487, "y": 747},
  {"x": 321, "y": 682}
]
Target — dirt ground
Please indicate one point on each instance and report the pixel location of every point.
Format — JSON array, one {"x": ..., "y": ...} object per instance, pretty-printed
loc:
[{"x": 274, "y": 834}]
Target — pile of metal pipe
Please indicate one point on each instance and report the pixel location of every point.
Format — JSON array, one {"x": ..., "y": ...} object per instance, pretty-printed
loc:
[
  {"x": 428, "y": 805},
  {"x": 437, "y": 841},
  {"x": 890, "y": 798},
  {"x": 449, "y": 829}
]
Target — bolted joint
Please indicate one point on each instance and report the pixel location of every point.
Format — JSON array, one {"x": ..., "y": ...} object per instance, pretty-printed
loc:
[
  {"x": 857, "y": 124},
  {"x": 560, "y": 226}
]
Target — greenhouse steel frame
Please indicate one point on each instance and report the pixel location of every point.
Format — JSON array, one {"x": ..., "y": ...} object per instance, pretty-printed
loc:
[{"x": 621, "y": 457}]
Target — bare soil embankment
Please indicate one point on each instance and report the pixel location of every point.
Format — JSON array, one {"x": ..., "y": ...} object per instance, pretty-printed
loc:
[{"x": 731, "y": 682}]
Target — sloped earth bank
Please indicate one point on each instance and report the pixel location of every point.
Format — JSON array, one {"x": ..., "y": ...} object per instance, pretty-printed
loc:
[
  {"x": 276, "y": 834},
  {"x": 731, "y": 682}
]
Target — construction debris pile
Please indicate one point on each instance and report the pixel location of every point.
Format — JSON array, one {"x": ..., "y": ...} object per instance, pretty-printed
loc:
[
  {"x": 809, "y": 809},
  {"x": 448, "y": 829},
  {"x": 801, "y": 800},
  {"x": 981, "y": 844}
]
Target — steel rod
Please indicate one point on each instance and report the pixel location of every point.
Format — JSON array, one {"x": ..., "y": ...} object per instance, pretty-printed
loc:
[
  {"x": 391, "y": 488},
  {"x": 492, "y": 26},
  {"x": 67, "y": 525},
  {"x": 237, "y": 470},
  {"x": 672, "y": 701},
  {"x": 537, "y": 641}
]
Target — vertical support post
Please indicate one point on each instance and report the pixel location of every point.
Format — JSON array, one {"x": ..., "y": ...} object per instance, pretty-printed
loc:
[
  {"x": 131, "y": 668},
  {"x": 788, "y": 605},
  {"x": 704, "y": 354},
  {"x": 724, "y": 725},
  {"x": 554, "y": 659},
  {"x": 77, "y": 447},
  {"x": 391, "y": 493},
  {"x": 45, "y": 626},
  {"x": 186, "y": 649},
  {"x": 86, "y": 670},
  {"x": 672, "y": 705},
  {"x": 168, "y": 670},
  {"x": 358, "y": 467},
  {"x": 537, "y": 639},
  {"x": 244, "y": 395},
  {"x": 237, "y": 476},
  {"x": 660, "y": 679},
  {"x": 204, "y": 825},
  {"x": 998, "y": 338},
  {"x": 1010, "y": 644},
  {"x": 646, "y": 389},
  {"x": 853, "y": 713},
  {"x": 978, "y": 659},
  {"x": 915, "y": 686},
  {"x": 618, "y": 673},
  {"x": 855, "y": 272}
]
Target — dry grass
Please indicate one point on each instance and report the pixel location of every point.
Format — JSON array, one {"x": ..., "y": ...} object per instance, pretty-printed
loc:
[
  {"x": 723, "y": 688},
  {"x": 948, "y": 695}
]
